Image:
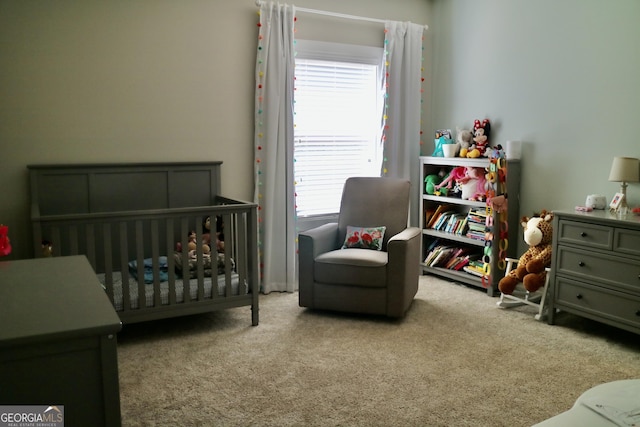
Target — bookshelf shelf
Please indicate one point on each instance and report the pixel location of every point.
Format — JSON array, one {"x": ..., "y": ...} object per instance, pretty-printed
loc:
[
  {"x": 452, "y": 200},
  {"x": 440, "y": 213},
  {"x": 452, "y": 237}
]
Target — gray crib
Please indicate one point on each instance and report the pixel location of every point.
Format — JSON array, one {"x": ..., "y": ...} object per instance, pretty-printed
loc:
[{"x": 133, "y": 223}]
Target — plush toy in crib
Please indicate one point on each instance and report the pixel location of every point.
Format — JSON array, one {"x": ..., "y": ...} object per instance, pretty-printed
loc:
[
  {"x": 192, "y": 245},
  {"x": 47, "y": 248},
  {"x": 538, "y": 232},
  {"x": 206, "y": 233}
]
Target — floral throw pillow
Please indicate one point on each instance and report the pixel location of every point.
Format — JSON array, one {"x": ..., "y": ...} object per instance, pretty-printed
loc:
[{"x": 364, "y": 237}]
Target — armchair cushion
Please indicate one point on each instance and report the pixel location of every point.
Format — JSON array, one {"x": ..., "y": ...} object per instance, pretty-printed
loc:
[
  {"x": 364, "y": 237},
  {"x": 353, "y": 267}
]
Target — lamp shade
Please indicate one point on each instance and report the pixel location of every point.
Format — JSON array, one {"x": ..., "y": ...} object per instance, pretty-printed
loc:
[{"x": 625, "y": 169}]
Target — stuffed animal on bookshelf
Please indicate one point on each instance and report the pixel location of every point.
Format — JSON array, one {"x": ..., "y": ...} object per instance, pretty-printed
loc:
[
  {"x": 450, "y": 180},
  {"x": 430, "y": 183},
  {"x": 464, "y": 138},
  {"x": 531, "y": 272},
  {"x": 473, "y": 184},
  {"x": 481, "y": 132}
]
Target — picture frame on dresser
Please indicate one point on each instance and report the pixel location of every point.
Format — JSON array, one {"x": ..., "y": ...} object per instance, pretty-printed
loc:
[{"x": 615, "y": 202}]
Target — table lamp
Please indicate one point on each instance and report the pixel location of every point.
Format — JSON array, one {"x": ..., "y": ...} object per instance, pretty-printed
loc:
[{"x": 623, "y": 170}]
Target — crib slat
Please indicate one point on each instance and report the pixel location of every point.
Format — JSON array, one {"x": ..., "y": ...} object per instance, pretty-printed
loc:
[
  {"x": 124, "y": 270},
  {"x": 199, "y": 258},
  {"x": 171, "y": 266},
  {"x": 226, "y": 219},
  {"x": 108, "y": 259},
  {"x": 241, "y": 265},
  {"x": 57, "y": 243},
  {"x": 91, "y": 245},
  {"x": 155, "y": 255},
  {"x": 73, "y": 240},
  {"x": 142, "y": 300},
  {"x": 253, "y": 263},
  {"x": 184, "y": 232}
]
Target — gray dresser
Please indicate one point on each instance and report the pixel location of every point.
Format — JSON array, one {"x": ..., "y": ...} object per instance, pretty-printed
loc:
[
  {"x": 58, "y": 340},
  {"x": 595, "y": 271}
]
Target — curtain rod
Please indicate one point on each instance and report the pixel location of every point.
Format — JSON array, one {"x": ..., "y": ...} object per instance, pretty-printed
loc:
[{"x": 336, "y": 15}]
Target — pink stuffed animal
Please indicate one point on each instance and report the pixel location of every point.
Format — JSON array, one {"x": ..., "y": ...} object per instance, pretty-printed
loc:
[
  {"x": 454, "y": 176},
  {"x": 473, "y": 184}
]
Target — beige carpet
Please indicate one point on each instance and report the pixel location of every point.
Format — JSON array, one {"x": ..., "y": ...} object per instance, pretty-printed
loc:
[{"x": 455, "y": 360}]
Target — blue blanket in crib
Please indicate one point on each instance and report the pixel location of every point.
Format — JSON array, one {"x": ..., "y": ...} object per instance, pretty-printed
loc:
[{"x": 148, "y": 269}]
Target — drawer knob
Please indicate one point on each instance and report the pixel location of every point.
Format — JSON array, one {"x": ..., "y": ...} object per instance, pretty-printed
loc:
[
  {"x": 638, "y": 313},
  {"x": 583, "y": 234},
  {"x": 581, "y": 264},
  {"x": 579, "y": 296}
]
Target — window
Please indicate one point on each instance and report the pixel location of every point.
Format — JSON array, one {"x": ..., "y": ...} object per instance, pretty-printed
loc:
[{"x": 338, "y": 121}]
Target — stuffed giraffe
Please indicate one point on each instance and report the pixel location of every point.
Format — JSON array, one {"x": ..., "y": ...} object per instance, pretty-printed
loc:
[{"x": 538, "y": 232}]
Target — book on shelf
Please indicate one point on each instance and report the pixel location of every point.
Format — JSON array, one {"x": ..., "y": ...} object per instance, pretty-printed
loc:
[
  {"x": 428, "y": 213},
  {"x": 450, "y": 221},
  {"x": 437, "y": 214},
  {"x": 460, "y": 264},
  {"x": 436, "y": 254},
  {"x": 477, "y": 268},
  {"x": 462, "y": 226},
  {"x": 451, "y": 257},
  {"x": 475, "y": 235},
  {"x": 476, "y": 223},
  {"x": 446, "y": 221},
  {"x": 458, "y": 259}
]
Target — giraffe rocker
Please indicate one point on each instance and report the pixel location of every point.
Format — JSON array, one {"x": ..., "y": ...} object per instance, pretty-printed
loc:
[{"x": 531, "y": 271}]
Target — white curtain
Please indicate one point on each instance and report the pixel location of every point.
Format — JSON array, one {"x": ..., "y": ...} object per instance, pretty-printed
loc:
[
  {"x": 274, "y": 192},
  {"x": 403, "y": 48}
]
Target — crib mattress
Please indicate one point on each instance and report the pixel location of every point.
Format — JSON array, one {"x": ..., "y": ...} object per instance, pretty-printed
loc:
[{"x": 118, "y": 295}]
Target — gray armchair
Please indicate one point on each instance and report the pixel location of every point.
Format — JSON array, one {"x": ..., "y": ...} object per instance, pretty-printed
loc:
[{"x": 363, "y": 280}]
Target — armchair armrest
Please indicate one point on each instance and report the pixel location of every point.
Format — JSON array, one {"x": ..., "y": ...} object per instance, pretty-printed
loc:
[
  {"x": 403, "y": 269},
  {"x": 312, "y": 243},
  {"x": 321, "y": 239},
  {"x": 405, "y": 235}
]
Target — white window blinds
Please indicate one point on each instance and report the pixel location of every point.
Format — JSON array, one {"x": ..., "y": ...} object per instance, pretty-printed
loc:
[{"x": 337, "y": 130}]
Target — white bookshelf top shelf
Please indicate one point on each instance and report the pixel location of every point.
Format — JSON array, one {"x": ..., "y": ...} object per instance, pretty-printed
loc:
[
  {"x": 456, "y": 161},
  {"x": 481, "y": 162}
]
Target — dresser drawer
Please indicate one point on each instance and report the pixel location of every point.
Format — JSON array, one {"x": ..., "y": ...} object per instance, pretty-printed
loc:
[
  {"x": 598, "y": 302},
  {"x": 627, "y": 241},
  {"x": 617, "y": 272},
  {"x": 584, "y": 234}
]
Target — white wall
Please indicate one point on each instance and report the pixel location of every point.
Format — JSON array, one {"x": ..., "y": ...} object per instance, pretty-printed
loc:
[
  {"x": 140, "y": 80},
  {"x": 561, "y": 75}
]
